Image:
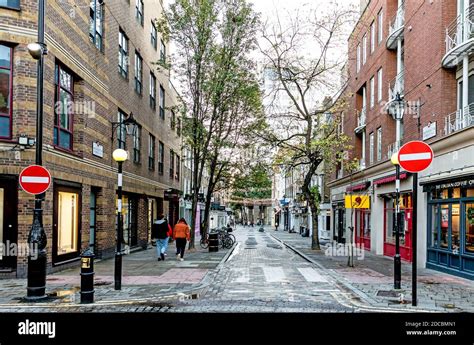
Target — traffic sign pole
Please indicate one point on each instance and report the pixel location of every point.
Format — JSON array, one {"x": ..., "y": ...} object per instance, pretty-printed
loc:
[
  {"x": 414, "y": 157},
  {"x": 414, "y": 240}
]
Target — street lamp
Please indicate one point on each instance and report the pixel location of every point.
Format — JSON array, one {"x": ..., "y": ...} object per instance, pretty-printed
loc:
[
  {"x": 129, "y": 123},
  {"x": 399, "y": 107},
  {"x": 37, "y": 240},
  {"x": 119, "y": 156}
]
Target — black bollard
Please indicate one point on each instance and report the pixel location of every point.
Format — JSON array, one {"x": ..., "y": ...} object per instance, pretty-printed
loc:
[{"x": 87, "y": 276}]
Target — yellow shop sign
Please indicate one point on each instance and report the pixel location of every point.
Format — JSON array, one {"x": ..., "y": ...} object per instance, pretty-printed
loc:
[{"x": 357, "y": 201}]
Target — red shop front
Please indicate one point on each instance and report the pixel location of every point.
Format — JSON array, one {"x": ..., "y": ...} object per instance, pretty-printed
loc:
[
  {"x": 362, "y": 220},
  {"x": 405, "y": 203}
]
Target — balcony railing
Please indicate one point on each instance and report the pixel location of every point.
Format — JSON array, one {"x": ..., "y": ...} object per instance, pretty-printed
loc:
[
  {"x": 459, "y": 120},
  {"x": 396, "y": 25},
  {"x": 459, "y": 32},
  {"x": 361, "y": 119},
  {"x": 396, "y": 85},
  {"x": 394, "y": 147}
]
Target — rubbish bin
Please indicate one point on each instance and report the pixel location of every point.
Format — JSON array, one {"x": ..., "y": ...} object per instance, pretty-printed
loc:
[
  {"x": 213, "y": 242},
  {"x": 87, "y": 276}
]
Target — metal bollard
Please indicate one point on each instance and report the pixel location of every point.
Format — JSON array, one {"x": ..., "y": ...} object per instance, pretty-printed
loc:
[{"x": 87, "y": 276}]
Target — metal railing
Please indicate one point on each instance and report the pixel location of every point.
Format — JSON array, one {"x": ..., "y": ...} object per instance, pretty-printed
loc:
[
  {"x": 393, "y": 147},
  {"x": 461, "y": 29},
  {"x": 397, "y": 84},
  {"x": 398, "y": 21},
  {"x": 459, "y": 120}
]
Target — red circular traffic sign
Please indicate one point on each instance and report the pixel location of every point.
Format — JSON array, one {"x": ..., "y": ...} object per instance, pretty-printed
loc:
[
  {"x": 35, "y": 179},
  {"x": 415, "y": 156}
]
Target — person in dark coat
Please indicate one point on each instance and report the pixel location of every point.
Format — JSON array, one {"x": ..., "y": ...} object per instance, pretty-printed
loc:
[{"x": 161, "y": 232}]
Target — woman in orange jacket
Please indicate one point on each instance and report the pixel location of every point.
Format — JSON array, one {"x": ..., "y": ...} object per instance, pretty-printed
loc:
[{"x": 181, "y": 234}]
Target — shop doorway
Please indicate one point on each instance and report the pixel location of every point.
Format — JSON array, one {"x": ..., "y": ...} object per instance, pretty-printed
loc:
[
  {"x": 405, "y": 226},
  {"x": 8, "y": 220},
  {"x": 362, "y": 228},
  {"x": 339, "y": 223}
]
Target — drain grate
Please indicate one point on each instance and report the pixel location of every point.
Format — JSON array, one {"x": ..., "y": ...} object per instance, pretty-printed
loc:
[{"x": 389, "y": 293}]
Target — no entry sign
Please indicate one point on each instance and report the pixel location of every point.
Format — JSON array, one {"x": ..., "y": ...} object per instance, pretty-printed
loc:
[
  {"x": 415, "y": 156},
  {"x": 35, "y": 179}
]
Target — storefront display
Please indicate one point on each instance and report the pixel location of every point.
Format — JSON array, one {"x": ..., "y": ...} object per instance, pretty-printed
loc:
[{"x": 451, "y": 227}]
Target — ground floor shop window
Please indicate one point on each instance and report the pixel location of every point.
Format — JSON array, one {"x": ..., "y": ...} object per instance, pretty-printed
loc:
[
  {"x": 405, "y": 218},
  {"x": 66, "y": 236},
  {"x": 451, "y": 228},
  {"x": 363, "y": 227}
]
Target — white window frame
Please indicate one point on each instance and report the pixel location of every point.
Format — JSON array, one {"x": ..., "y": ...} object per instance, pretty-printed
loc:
[
  {"x": 380, "y": 84},
  {"x": 371, "y": 148},
  {"x": 364, "y": 49},
  {"x": 379, "y": 144},
  {"x": 372, "y": 92},
  {"x": 380, "y": 25},
  {"x": 358, "y": 57},
  {"x": 372, "y": 37}
]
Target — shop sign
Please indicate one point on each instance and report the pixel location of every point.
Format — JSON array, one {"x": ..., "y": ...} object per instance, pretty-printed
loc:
[
  {"x": 97, "y": 150},
  {"x": 429, "y": 131},
  {"x": 461, "y": 184},
  {"x": 357, "y": 201}
]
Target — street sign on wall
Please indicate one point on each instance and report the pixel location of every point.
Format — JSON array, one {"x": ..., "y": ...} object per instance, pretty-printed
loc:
[
  {"x": 415, "y": 156},
  {"x": 35, "y": 179}
]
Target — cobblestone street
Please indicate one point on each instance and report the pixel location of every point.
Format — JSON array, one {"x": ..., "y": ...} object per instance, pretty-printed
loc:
[{"x": 264, "y": 272}]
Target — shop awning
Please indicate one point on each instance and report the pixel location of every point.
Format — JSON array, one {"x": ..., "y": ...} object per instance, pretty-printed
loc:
[
  {"x": 358, "y": 187},
  {"x": 389, "y": 179}
]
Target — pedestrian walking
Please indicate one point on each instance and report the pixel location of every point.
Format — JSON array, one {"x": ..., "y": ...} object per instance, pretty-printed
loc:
[
  {"x": 160, "y": 232},
  {"x": 181, "y": 234}
]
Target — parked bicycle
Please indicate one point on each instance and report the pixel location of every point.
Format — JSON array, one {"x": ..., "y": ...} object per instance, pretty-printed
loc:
[{"x": 225, "y": 239}]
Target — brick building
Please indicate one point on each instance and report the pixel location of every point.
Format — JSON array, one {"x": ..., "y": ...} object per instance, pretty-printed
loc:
[
  {"x": 421, "y": 50},
  {"x": 98, "y": 70}
]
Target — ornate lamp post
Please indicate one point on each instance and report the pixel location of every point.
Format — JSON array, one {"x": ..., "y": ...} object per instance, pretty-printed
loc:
[
  {"x": 399, "y": 107},
  {"x": 119, "y": 156},
  {"x": 37, "y": 240}
]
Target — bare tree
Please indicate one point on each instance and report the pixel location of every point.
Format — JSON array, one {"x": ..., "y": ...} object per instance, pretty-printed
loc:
[{"x": 304, "y": 66}]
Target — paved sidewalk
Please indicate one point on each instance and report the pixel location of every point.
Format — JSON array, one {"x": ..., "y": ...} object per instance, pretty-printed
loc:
[
  {"x": 372, "y": 279},
  {"x": 144, "y": 278}
]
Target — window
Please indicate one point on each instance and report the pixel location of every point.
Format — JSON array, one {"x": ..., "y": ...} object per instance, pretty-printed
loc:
[
  {"x": 371, "y": 148},
  {"x": 379, "y": 143},
  {"x": 405, "y": 209},
  {"x": 380, "y": 27},
  {"x": 121, "y": 131},
  {"x": 161, "y": 158},
  {"x": 162, "y": 102},
  {"x": 173, "y": 120},
  {"x": 162, "y": 51},
  {"x": 379, "y": 84},
  {"x": 171, "y": 164},
  {"x": 178, "y": 165},
  {"x": 358, "y": 58},
  {"x": 138, "y": 73},
  {"x": 96, "y": 23},
  {"x": 64, "y": 100},
  {"x": 92, "y": 217},
  {"x": 151, "y": 152},
  {"x": 469, "y": 243},
  {"x": 178, "y": 126},
  {"x": 123, "y": 54},
  {"x": 139, "y": 11},
  {"x": 6, "y": 95},
  {"x": 152, "y": 91},
  {"x": 372, "y": 37},
  {"x": 153, "y": 36},
  {"x": 137, "y": 145},
  {"x": 372, "y": 92},
  {"x": 67, "y": 213},
  {"x": 364, "y": 49},
  {"x": 10, "y": 3}
]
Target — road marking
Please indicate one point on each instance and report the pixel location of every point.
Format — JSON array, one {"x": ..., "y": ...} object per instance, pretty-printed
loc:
[
  {"x": 311, "y": 275},
  {"x": 274, "y": 274}
]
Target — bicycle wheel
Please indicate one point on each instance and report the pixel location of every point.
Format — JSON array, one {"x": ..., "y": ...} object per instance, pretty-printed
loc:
[
  {"x": 204, "y": 243},
  {"x": 228, "y": 243},
  {"x": 232, "y": 237}
]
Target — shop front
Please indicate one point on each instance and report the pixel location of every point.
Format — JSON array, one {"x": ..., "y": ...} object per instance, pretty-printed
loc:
[
  {"x": 359, "y": 200},
  {"x": 339, "y": 221},
  {"x": 450, "y": 217}
]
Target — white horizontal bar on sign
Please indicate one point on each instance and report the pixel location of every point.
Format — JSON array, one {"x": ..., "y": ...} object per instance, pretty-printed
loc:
[
  {"x": 415, "y": 156},
  {"x": 34, "y": 179}
]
